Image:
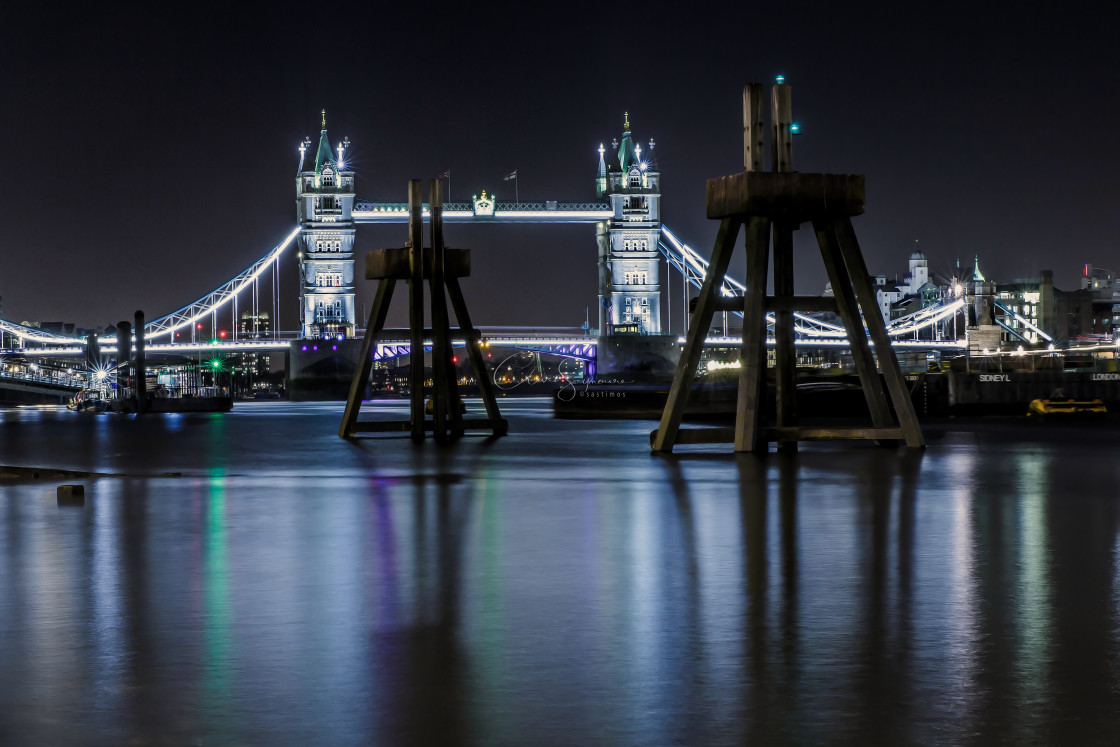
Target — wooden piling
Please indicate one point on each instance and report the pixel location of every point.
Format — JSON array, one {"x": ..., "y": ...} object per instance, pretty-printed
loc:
[
  {"x": 783, "y": 199},
  {"x": 416, "y": 307},
  {"x": 442, "y": 268}
]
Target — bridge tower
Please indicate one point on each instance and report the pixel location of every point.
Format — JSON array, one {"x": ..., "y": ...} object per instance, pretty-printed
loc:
[
  {"x": 324, "y": 205},
  {"x": 629, "y": 281}
]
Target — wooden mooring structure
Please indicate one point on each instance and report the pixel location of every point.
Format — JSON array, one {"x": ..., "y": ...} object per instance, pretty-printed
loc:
[
  {"x": 441, "y": 267},
  {"x": 777, "y": 203}
]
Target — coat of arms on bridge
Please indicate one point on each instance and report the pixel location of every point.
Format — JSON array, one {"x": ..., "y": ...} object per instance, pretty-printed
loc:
[{"x": 483, "y": 204}]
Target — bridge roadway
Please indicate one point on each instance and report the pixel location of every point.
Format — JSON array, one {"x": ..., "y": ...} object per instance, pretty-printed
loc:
[{"x": 395, "y": 343}]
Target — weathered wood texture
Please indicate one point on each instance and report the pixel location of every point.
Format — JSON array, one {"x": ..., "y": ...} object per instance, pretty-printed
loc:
[
  {"x": 748, "y": 406},
  {"x": 789, "y": 197},
  {"x": 416, "y": 307},
  {"x": 781, "y": 136},
  {"x": 444, "y": 385},
  {"x": 754, "y": 129},
  {"x": 785, "y": 354}
]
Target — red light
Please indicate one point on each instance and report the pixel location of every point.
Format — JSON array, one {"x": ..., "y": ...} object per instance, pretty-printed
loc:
[
  {"x": 198, "y": 326},
  {"x": 222, "y": 334},
  {"x": 454, "y": 359}
]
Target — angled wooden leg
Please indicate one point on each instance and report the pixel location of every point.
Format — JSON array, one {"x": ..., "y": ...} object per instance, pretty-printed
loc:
[
  {"x": 374, "y": 326},
  {"x": 896, "y": 385},
  {"x": 498, "y": 424},
  {"x": 666, "y": 434},
  {"x": 849, "y": 314},
  {"x": 785, "y": 352},
  {"x": 416, "y": 308},
  {"x": 753, "y": 357}
]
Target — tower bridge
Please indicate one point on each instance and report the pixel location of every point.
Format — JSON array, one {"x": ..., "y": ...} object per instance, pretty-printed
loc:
[
  {"x": 626, "y": 213},
  {"x": 630, "y": 241}
]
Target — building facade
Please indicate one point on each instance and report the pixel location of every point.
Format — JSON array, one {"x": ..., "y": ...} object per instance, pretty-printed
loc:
[
  {"x": 324, "y": 205},
  {"x": 629, "y": 260},
  {"x": 915, "y": 292},
  {"x": 253, "y": 326}
]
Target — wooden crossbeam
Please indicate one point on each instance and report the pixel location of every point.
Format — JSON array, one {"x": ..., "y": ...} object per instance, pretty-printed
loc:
[
  {"x": 724, "y": 435},
  {"x": 788, "y": 196}
]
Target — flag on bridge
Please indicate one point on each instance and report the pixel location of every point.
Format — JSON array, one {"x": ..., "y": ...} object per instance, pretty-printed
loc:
[
  {"x": 510, "y": 176},
  {"x": 446, "y": 174}
]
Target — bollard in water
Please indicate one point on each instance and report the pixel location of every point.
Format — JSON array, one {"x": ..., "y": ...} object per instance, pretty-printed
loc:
[{"x": 71, "y": 495}]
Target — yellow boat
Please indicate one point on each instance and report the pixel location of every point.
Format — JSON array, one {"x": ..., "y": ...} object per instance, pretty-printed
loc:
[{"x": 1066, "y": 407}]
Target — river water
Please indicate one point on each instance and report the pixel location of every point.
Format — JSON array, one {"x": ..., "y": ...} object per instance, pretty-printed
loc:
[{"x": 250, "y": 578}]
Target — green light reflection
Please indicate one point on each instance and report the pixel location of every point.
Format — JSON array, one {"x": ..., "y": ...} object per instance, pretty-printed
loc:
[{"x": 216, "y": 616}]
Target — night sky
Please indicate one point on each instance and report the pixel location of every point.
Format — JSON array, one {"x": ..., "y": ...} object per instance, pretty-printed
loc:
[{"x": 151, "y": 156}]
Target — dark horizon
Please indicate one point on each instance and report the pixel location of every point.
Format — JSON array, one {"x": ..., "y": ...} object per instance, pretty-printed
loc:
[{"x": 152, "y": 157}]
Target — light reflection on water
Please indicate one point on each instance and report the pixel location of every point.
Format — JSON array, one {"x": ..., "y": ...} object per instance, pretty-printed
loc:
[{"x": 557, "y": 586}]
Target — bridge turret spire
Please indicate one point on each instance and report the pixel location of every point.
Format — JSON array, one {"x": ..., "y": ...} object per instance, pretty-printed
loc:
[
  {"x": 626, "y": 154},
  {"x": 601, "y": 177},
  {"x": 324, "y": 155}
]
